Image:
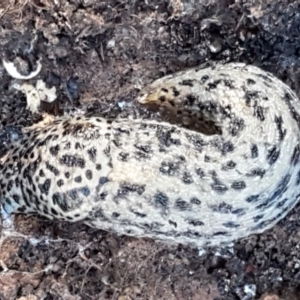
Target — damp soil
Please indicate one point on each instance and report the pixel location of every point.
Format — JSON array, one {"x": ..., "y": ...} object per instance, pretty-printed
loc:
[{"x": 98, "y": 54}]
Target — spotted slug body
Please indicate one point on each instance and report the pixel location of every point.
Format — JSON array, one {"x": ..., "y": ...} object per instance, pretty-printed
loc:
[{"x": 146, "y": 178}]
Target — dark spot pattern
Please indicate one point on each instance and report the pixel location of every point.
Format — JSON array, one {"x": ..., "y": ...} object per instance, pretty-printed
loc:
[
  {"x": 238, "y": 211},
  {"x": 190, "y": 99},
  {"x": 44, "y": 188},
  {"x": 126, "y": 188},
  {"x": 279, "y": 125},
  {"x": 187, "y": 178},
  {"x": 256, "y": 172},
  {"x": 60, "y": 183},
  {"x": 281, "y": 203},
  {"x": 298, "y": 178},
  {"x": 61, "y": 201},
  {"x": 211, "y": 85},
  {"x": 295, "y": 115},
  {"x": 223, "y": 208},
  {"x": 197, "y": 142},
  {"x": 172, "y": 103},
  {"x": 210, "y": 107},
  {"x": 54, "y": 150},
  {"x": 123, "y": 156},
  {"x": 254, "y": 151},
  {"x": 231, "y": 225},
  {"x": 103, "y": 180},
  {"x": 143, "y": 151},
  {"x": 52, "y": 169},
  {"x": 161, "y": 200},
  {"x": 200, "y": 172},
  {"x": 72, "y": 161},
  {"x": 54, "y": 212},
  {"x": 229, "y": 83},
  {"x": 295, "y": 156},
  {"x": 137, "y": 213},
  {"x": 250, "y": 96},
  {"x": 238, "y": 185},
  {"x": 67, "y": 146},
  {"x": 266, "y": 78},
  {"x": 16, "y": 198},
  {"x": 273, "y": 155},
  {"x": 222, "y": 233},
  {"x": 207, "y": 158},
  {"x": 236, "y": 126},
  {"x": 204, "y": 78},
  {"x": 115, "y": 215},
  {"x": 218, "y": 185},
  {"x": 258, "y": 217},
  {"x": 253, "y": 198},
  {"x": 173, "y": 223},
  {"x": 229, "y": 165},
  {"x": 164, "y": 137},
  {"x": 169, "y": 168},
  {"x": 227, "y": 147},
  {"x": 7, "y": 200},
  {"x": 89, "y": 174},
  {"x": 263, "y": 224},
  {"x": 250, "y": 81},
  {"x": 92, "y": 153},
  {"x": 176, "y": 93},
  {"x": 187, "y": 82},
  {"x": 196, "y": 222},
  {"x": 182, "y": 205},
  {"x": 78, "y": 179},
  {"x": 103, "y": 195},
  {"x": 195, "y": 201},
  {"x": 280, "y": 189},
  {"x": 22, "y": 209},
  {"x": 10, "y": 185},
  {"x": 73, "y": 194},
  {"x": 259, "y": 113}
]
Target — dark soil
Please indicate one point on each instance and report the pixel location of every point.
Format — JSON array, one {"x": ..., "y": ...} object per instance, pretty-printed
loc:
[{"x": 98, "y": 54}]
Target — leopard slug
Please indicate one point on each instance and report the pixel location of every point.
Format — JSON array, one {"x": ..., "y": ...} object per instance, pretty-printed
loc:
[{"x": 154, "y": 179}]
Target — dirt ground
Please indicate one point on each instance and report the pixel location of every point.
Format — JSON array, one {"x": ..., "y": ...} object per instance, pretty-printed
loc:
[{"x": 98, "y": 54}]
